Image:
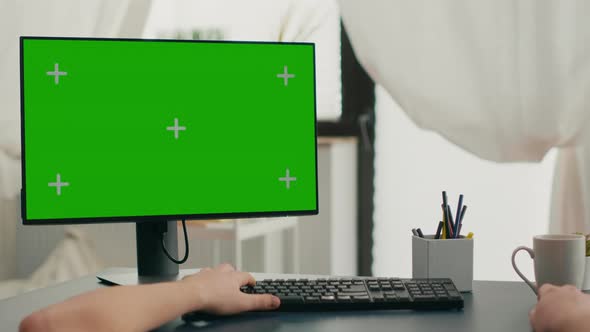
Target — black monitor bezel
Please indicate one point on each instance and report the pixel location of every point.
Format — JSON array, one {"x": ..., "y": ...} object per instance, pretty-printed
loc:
[{"x": 157, "y": 218}]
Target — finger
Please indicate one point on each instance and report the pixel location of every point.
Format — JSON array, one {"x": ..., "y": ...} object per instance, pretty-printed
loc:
[
  {"x": 245, "y": 278},
  {"x": 570, "y": 288},
  {"x": 205, "y": 269},
  {"x": 533, "y": 320},
  {"x": 532, "y": 316},
  {"x": 225, "y": 267},
  {"x": 260, "y": 302},
  {"x": 546, "y": 289}
]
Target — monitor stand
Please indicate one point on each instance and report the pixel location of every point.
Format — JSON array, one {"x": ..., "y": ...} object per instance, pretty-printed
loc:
[{"x": 152, "y": 264}]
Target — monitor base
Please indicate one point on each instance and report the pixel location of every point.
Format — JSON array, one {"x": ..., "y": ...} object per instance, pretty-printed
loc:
[
  {"x": 152, "y": 264},
  {"x": 125, "y": 277}
]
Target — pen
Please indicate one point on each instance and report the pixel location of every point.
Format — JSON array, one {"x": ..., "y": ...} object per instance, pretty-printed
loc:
[
  {"x": 460, "y": 222},
  {"x": 420, "y": 234},
  {"x": 458, "y": 211},
  {"x": 438, "y": 229},
  {"x": 470, "y": 235},
  {"x": 445, "y": 212},
  {"x": 450, "y": 229},
  {"x": 450, "y": 222},
  {"x": 445, "y": 219},
  {"x": 414, "y": 232}
]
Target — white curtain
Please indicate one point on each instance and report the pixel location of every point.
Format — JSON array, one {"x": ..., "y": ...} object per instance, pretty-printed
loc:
[
  {"x": 88, "y": 18},
  {"x": 505, "y": 80}
]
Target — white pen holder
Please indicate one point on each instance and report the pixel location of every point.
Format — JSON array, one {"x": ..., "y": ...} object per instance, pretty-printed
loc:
[
  {"x": 586, "y": 283},
  {"x": 451, "y": 258}
]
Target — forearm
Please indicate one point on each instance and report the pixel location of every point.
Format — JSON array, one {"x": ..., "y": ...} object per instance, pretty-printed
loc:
[
  {"x": 125, "y": 309},
  {"x": 147, "y": 307},
  {"x": 142, "y": 308}
]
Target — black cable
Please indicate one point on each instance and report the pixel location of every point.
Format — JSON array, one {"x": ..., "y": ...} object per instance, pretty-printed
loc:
[{"x": 185, "y": 246}]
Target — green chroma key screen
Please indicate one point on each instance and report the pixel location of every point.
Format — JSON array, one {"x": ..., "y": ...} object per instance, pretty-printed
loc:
[{"x": 117, "y": 129}]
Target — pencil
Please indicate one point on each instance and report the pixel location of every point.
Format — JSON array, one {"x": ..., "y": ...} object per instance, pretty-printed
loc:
[{"x": 438, "y": 229}]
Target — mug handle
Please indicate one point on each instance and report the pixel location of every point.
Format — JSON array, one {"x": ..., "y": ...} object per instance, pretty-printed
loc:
[{"x": 532, "y": 254}]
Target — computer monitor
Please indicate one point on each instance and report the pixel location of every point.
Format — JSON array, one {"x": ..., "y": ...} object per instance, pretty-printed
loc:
[{"x": 155, "y": 131}]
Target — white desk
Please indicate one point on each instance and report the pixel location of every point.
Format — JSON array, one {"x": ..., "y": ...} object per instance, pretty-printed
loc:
[{"x": 238, "y": 231}]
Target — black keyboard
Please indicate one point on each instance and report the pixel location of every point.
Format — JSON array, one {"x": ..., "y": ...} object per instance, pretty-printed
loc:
[{"x": 356, "y": 294}]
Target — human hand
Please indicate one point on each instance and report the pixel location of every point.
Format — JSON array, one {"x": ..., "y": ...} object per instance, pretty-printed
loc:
[
  {"x": 562, "y": 308},
  {"x": 218, "y": 291}
]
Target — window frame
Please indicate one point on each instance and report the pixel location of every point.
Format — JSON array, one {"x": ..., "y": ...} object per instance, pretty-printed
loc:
[{"x": 358, "y": 120}]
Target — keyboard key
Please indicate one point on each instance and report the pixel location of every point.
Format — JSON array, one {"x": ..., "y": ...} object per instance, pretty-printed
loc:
[
  {"x": 403, "y": 296},
  {"x": 357, "y": 288},
  {"x": 329, "y": 298},
  {"x": 352, "y": 293},
  {"x": 449, "y": 286},
  {"x": 291, "y": 299},
  {"x": 424, "y": 298},
  {"x": 360, "y": 299}
]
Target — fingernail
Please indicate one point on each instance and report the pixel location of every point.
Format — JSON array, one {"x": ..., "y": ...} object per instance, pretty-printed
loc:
[{"x": 275, "y": 302}]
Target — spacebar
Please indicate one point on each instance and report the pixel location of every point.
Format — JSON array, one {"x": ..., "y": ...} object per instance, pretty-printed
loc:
[
  {"x": 291, "y": 299},
  {"x": 344, "y": 293}
]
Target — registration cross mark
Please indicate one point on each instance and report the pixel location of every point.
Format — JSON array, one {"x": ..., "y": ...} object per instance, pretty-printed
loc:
[
  {"x": 56, "y": 73},
  {"x": 58, "y": 184}
]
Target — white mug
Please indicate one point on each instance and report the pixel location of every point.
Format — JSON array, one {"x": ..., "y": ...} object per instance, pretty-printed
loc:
[{"x": 559, "y": 259}]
